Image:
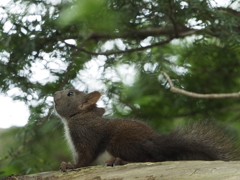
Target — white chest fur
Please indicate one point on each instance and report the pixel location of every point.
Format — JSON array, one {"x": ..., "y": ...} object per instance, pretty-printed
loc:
[
  {"x": 69, "y": 140},
  {"x": 101, "y": 159}
]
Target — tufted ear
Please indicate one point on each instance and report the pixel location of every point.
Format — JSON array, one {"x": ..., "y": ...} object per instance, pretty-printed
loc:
[
  {"x": 100, "y": 111},
  {"x": 91, "y": 99}
]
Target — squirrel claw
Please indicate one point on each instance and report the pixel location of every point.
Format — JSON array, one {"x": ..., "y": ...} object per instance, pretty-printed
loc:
[
  {"x": 115, "y": 161},
  {"x": 64, "y": 166}
]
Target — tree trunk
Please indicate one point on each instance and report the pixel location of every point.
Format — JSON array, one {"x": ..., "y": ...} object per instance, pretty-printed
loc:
[{"x": 218, "y": 170}]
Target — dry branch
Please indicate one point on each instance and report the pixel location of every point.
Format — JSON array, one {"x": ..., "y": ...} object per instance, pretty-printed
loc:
[{"x": 197, "y": 95}]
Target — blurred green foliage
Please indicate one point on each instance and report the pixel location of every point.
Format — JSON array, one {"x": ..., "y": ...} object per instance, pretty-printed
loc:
[{"x": 120, "y": 48}]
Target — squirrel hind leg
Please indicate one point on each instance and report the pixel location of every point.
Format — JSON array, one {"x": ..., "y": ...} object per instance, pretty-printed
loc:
[{"x": 115, "y": 161}]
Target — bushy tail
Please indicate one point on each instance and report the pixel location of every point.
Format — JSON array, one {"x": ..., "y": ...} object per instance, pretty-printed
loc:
[{"x": 200, "y": 141}]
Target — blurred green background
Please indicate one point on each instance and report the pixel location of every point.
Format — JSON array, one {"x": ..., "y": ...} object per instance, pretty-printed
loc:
[{"x": 118, "y": 47}]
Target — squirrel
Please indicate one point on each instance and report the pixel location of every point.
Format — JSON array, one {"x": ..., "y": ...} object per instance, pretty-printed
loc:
[{"x": 94, "y": 139}]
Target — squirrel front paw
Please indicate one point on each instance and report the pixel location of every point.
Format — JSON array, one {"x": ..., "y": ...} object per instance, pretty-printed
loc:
[
  {"x": 115, "y": 161},
  {"x": 64, "y": 166}
]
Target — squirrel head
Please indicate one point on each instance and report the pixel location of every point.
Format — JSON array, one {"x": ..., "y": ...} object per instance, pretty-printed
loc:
[{"x": 71, "y": 102}]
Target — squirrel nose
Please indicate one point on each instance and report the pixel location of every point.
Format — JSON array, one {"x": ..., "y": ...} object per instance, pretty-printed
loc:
[{"x": 57, "y": 95}]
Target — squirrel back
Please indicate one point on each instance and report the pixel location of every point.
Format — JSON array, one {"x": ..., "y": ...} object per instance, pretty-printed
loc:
[
  {"x": 90, "y": 136},
  {"x": 135, "y": 141}
]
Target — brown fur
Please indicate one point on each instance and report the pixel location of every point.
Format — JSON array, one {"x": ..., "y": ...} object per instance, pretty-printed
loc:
[{"x": 131, "y": 140}]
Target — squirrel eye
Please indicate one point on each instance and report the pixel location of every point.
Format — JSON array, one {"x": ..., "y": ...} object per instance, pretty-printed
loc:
[{"x": 70, "y": 94}]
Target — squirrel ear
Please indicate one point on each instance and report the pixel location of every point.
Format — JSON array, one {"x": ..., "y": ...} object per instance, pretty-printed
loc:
[{"x": 91, "y": 99}]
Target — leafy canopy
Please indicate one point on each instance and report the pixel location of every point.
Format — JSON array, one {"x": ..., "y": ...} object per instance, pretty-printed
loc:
[{"x": 120, "y": 48}]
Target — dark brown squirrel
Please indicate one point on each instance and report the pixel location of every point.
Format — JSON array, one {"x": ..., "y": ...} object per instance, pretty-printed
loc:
[{"x": 93, "y": 138}]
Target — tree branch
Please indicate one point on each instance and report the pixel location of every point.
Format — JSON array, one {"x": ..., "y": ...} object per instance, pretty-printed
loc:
[
  {"x": 196, "y": 95},
  {"x": 139, "y": 34},
  {"x": 119, "y": 52},
  {"x": 136, "y": 34},
  {"x": 142, "y": 33}
]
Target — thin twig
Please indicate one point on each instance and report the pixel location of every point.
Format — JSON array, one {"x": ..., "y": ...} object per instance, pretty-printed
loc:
[
  {"x": 119, "y": 52},
  {"x": 19, "y": 149},
  {"x": 197, "y": 95}
]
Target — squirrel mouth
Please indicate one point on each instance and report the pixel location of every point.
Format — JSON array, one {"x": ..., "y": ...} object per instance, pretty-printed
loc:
[{"x": 55, "y": 101}]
